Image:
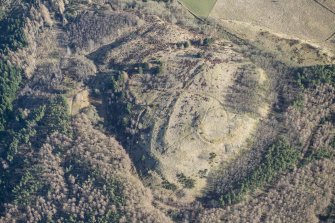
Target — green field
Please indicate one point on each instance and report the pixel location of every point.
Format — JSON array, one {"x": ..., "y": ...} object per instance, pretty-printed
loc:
[{"x": 200, "y": 8}]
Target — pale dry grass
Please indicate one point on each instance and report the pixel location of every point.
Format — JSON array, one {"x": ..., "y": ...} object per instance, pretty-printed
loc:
[
  {"x": 287, "y": 48},
  {"x": 302, "y": 18},
  {"x": 78, "y": 100}
]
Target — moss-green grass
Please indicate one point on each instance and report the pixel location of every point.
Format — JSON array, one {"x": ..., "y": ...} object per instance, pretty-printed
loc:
[{"x": 200, "y": 8}]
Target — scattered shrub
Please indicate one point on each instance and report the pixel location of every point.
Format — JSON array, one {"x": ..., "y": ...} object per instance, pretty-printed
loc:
[
  {"x": 187, "y": 182},
  {"x": 208, "y": 41},
  {"x": 199, "y": 55},
  {"x": 169, "y": 186}
]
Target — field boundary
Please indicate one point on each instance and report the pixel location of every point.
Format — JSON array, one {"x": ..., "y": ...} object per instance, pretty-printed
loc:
[
  {"x": 193, "y": 10},
  {"x": 323, "y": 6}
]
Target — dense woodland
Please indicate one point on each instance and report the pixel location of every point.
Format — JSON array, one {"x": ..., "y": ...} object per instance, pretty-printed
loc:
[{"x": 59, "y": 167}]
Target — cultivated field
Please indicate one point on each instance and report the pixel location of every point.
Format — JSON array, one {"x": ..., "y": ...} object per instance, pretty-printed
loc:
[{"x": 305, "y": 19}]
